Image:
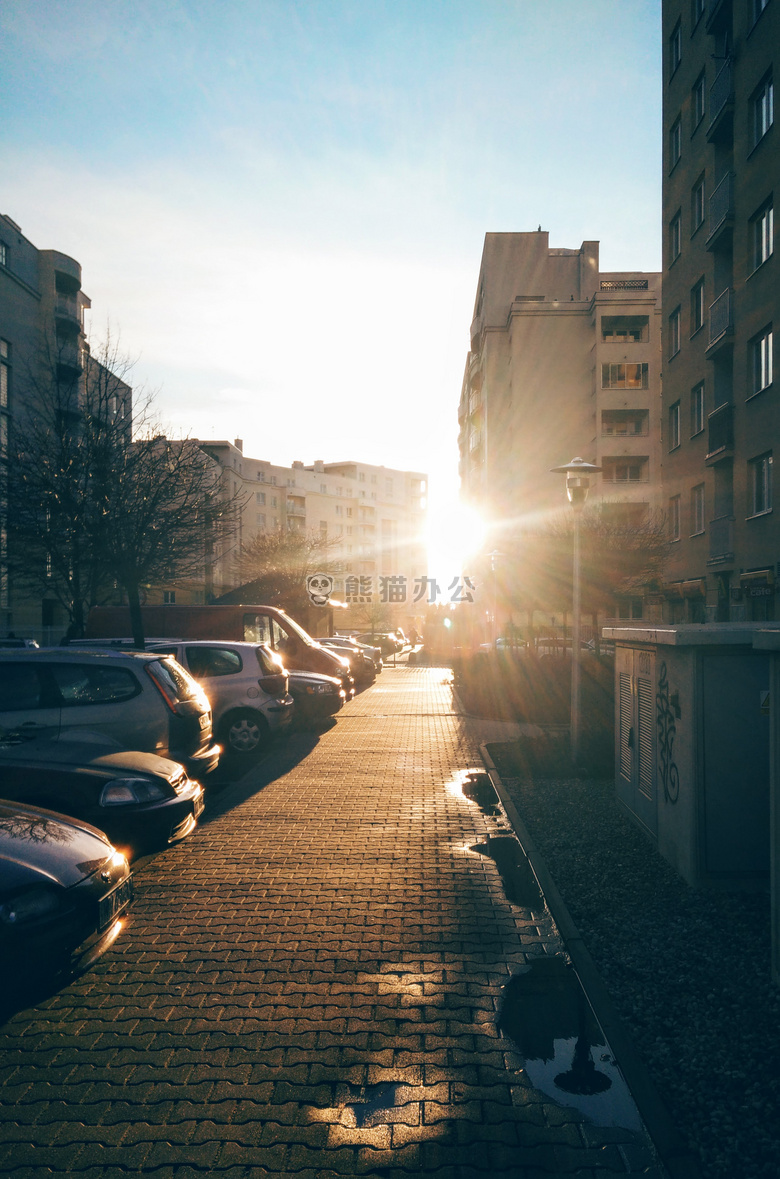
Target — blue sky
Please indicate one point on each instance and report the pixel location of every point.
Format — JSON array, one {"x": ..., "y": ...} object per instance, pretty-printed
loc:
[{"x": 280, "y": 206}]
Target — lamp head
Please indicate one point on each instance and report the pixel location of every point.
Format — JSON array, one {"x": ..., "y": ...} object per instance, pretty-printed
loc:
[{"x": 577, "y": 474}]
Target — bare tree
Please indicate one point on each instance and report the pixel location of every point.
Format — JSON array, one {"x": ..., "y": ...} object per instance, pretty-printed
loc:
[
  {"x": 99, "y": 497},
  {"x": 272, "y": 569}
]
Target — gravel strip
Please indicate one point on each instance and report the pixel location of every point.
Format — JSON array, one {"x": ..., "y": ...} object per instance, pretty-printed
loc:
[{"x": 687, "y": 969}]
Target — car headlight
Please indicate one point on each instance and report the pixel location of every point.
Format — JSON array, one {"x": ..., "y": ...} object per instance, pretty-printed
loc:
[
  {"x": 30, "y": 906},
  {"x": 124, "y": 791}
]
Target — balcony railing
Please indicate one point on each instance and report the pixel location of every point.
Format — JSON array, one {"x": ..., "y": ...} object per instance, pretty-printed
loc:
[
  {"x": 721, "y": 94},
  {"x": 722, "y": 539},
  {"x": 720, "y": 426},
  {"x": 67, "y": 308},
  {"x": 721, "y": 206},
  {"x": 720, "y": 316}
]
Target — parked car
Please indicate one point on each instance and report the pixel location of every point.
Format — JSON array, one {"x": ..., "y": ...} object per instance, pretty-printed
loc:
[
  {"x": 63, "y": 892},
  {"x": 360, "y": 663},
  {"x": 137, "y": 799},
  {"x": 246, "y": 684},
  {"x": 374, "y": 653},
  {"x": 316, "y": 696},
  {"x": 389, "y": 644},
  {"x": 117, "y": 699},
  {"x": 12, "y": 641}
]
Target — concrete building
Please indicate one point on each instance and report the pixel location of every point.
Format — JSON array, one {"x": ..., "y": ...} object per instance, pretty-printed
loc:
[
  {"x": 564, "y": 361},
  {"x": 42, "y": 345},
  {"x": 373, "y": 516},
  {"x": 721, "y": 299}
]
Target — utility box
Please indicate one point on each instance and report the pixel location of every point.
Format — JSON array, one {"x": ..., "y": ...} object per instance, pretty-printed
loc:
[{"x": 692, "y": 721}]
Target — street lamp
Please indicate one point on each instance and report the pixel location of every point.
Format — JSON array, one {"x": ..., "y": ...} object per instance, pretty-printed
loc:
[
  {"x": 494, "y": 556},
  {"x": 577, "y": 474}
]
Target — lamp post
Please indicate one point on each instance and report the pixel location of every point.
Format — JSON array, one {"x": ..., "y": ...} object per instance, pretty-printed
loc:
[
  {"x": 577, "y": 474},
  {"x": 494, "y": 556}
]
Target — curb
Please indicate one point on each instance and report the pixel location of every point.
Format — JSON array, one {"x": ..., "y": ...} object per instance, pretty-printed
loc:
[{"x": 672, "y": 1149}]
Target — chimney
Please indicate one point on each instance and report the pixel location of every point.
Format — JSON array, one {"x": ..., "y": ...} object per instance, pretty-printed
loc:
[{"x": 239, "y": 444}]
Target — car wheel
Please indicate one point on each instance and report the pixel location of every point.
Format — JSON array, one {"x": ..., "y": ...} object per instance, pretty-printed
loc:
[{"x": 244, "y": 731}]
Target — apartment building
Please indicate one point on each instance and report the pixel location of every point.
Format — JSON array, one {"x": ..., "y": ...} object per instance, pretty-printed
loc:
[
  {"x": 43, "y": 347},
  {"x": 564, "y": 362},
  {"x": 721, "y": 299},
  {"x": 373, "y": 517}
]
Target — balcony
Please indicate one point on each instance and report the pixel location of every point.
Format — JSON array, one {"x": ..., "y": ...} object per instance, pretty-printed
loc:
[
  {"x": 721, "y": 541},
  {"x": 721, "y": 325},
  {"x": 295, "y": 509},
  {"x": 70, "y": 359},
  {"x": 67, "y": 313},
  {"x": 721, "y": 105},
  {"x": 720, "y": 437},
  {"x": 721, "y": 212}
]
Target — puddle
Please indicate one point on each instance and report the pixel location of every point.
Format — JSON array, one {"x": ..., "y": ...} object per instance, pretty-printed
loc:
[
  {"x": 371, "y": 1102},
  {"x": 478, "y": 788},
  {"x": 520, "y": 884},
  {"x": 547, "y": 1016}
]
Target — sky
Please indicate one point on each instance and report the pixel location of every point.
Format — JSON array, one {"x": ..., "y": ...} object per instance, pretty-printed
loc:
[{"x": 279, "y": 206}]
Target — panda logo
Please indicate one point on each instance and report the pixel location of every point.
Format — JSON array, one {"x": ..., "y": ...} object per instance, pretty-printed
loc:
[{"x": 319, "y": 587}]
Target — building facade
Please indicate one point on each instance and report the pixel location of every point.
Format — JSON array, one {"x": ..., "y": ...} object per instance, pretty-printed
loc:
[
  {"x": 721, "y": 300},
  {"x": 564, "y": 362},
  {"x": 44, "y": 358}
]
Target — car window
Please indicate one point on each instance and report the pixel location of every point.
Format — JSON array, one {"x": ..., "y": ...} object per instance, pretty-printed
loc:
[
  {"x": 83, "y": 683},
  {"x": 206, "y": 662},
  {"x": 175, "y": 679},
  {"x": 257, "y": 628},
  {"x": 20, "y": 687}
]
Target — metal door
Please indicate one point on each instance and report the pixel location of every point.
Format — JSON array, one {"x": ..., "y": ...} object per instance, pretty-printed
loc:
[{"x": 635, "y": 734}]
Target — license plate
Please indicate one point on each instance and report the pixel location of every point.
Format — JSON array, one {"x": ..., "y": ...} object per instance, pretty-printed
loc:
[
  {"x": 114, "y": 902},
  {"x": 203, "y": 720},
  {"x": 199, "y": 805}
]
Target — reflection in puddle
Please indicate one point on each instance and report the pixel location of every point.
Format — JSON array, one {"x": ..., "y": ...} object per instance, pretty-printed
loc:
[
  {"x": 520, "y": 884},
  {"x": 371, "y": 1102},
  {"x": 478, "y": 788},
  {"x": 546, "y": 1014}
]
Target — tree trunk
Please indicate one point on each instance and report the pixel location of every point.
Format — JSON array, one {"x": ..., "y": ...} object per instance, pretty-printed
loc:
[{"x": 136, "y": 617}]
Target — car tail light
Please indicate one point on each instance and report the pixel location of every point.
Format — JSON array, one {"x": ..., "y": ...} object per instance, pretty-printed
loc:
[{"x": 274, "y": 685}]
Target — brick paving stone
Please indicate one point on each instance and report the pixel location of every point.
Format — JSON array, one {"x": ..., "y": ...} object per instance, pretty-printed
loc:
[{"x": 309, "y": 984}]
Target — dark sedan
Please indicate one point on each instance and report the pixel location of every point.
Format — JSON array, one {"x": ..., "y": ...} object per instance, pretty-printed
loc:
[
  {"x": 63, "y": 893},
  {"x": 138, "y": 799},
  {"x": 316, "y": 696}
]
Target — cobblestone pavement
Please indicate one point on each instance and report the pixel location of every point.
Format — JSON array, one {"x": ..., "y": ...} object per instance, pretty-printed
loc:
[{"x": 309, "y": 985}]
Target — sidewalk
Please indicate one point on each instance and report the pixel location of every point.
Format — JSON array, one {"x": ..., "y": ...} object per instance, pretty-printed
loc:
[{"x": 312, "y": 985}]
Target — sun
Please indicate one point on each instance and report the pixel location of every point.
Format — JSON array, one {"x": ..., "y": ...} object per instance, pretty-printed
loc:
[{"x": 456, "y": 532}]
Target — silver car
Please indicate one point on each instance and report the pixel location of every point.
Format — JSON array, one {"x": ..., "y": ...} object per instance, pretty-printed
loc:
[
  {"x": 245, "y": 683},
  {"x": 114, "y": 699}
]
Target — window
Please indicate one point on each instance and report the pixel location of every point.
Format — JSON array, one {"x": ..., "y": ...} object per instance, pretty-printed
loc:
[
  {"x": 361, "y": 477},
  {"x": 5, "y": 370},
  {"x": 624, "y": 376},
  {"x": 675, "y": 237},
  {"x": 763, "y": 109},
  {"x": 81, "y": 684},
  {"x": 674, "y": 332},
  {"x": 674, "y": 517},
  {"x": 624, "y": 423},
  {"x": 323, "y": 489},
  {"x": 697, "y": 101},
  {"x": 339, "y": 510},
  {"x": 625, "y": 329},
  {"x": 169, "y": 597},
  {"x": 260, "y": 521},
  {"x": 675, "y": 143},
  {"x": 208, "y": 662},
  {"x": 3, "y": 254},
  {"x": 762, "y": 234},
  {"x": 697, "y": 409},
  {"x": 761, "y": 360},
  {"x": 760, "y": 485},
  {"x": 697, "y": 307},
  {"x": 697, "y": 509},
  {"x": 758, "y": 7},
  {"x": 260, "y": 497},
  {"x": 697, "y": 12},
  {"x": 624, "y": 470},
  {"x": 674, "y": 425},
  {"x": 675, "y": 49},
  {"x": 697, "y": 205}
]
